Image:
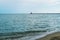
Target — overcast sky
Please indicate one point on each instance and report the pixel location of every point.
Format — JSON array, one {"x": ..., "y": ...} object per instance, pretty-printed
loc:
[{"x": 27, "y": 6}]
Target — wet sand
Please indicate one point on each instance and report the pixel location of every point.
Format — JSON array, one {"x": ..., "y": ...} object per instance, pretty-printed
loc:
[{"x": 53, "y": 36}]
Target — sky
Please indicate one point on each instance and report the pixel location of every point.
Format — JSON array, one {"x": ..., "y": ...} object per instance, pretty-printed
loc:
[{"x": 27, "y": 6}]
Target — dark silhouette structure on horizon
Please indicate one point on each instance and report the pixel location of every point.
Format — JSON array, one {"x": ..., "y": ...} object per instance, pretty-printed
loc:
[{"x": 31, "y": 13}]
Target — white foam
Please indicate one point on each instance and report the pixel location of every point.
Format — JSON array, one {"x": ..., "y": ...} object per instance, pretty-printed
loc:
[{"x": 36, "y": 36}]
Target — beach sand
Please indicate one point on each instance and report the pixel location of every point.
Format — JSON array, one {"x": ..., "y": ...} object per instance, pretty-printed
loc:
[{"x": 53, "y": 36}]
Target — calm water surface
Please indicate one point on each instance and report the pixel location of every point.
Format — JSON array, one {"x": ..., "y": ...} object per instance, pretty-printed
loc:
[{"x": 29, "y": 22}]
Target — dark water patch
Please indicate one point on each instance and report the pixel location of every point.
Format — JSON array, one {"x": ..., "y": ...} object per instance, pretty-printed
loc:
[
  {"x": 21, "y": 33},
  {"x": 15, "y": 35}
]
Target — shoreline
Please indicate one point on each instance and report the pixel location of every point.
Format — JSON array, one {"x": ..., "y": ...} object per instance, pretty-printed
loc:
[
  {"x": 55, "y": 35},
  {"x": 16, "y": 35}
]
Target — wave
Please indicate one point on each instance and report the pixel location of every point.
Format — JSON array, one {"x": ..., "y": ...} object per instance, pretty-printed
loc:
[{"x": 20, "y": 35}]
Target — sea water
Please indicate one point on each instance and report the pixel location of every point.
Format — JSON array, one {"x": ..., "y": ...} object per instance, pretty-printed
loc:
[{"x": 29, "y": 22}]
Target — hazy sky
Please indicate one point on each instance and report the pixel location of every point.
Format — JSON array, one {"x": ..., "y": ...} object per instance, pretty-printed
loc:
[{"x": 27, "y": 6}]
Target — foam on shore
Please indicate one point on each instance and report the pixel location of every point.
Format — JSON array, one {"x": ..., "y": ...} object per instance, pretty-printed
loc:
[{"x": 50, "y": 36}]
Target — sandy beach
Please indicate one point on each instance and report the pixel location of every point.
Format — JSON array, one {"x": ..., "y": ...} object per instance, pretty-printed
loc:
[{"x": 53, "y": 36}]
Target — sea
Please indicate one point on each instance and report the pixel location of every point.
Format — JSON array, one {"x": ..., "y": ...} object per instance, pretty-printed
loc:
[{"x": 46, "y": 23}]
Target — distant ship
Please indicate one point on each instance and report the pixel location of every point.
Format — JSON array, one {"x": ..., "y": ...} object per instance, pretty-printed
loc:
[{"x": 31, "y": 13}]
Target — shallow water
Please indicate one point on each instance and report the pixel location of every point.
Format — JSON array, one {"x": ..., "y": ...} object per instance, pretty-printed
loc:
[{"x": 29, "y": 22}]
